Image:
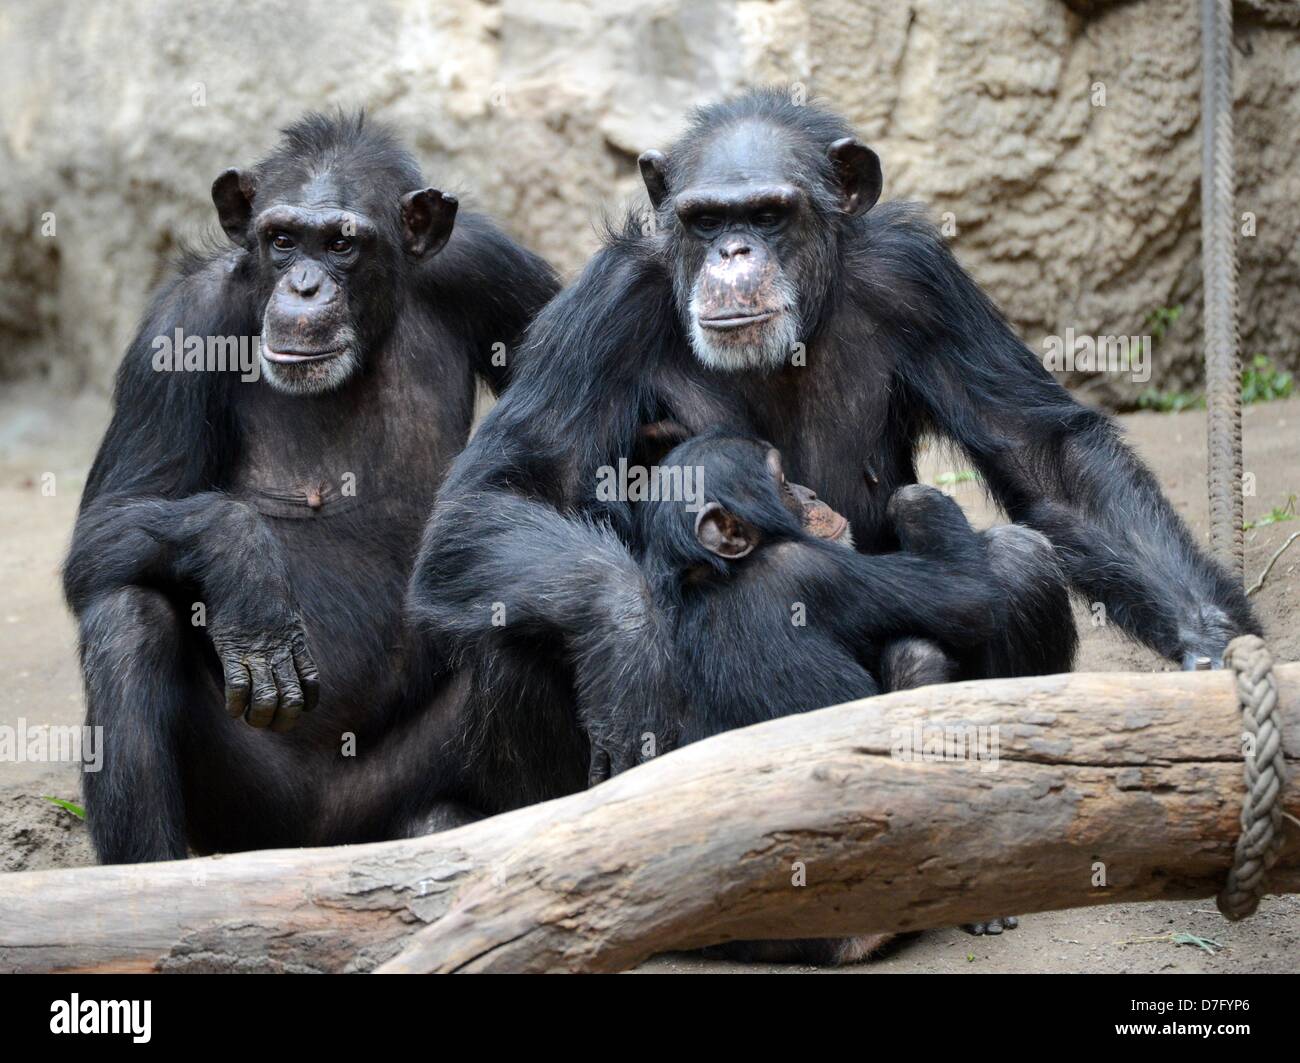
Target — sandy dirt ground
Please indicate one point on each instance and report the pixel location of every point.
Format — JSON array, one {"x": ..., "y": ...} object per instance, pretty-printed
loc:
[{"x": 43, "y": 444}]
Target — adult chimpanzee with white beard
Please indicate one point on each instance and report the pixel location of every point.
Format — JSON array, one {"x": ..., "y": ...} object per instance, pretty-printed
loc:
[
  {"x": 257, "y": 536},
  {"x": 770, "y": 298}
]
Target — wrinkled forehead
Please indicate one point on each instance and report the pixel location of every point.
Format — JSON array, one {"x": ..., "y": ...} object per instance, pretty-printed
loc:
[
  {"x": 326, "y": 191},
  {"x": 750, "y": 152}
]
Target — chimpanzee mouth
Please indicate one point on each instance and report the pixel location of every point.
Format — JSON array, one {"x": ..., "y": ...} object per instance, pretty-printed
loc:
[
  {"x": 737, "y": 321},
  {"x": 298, "y": 357}
]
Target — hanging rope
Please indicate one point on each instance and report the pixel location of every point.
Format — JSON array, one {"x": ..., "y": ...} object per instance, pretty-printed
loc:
[
  {"x": 1219, "y": 269},
  {"x": 1261, "y": 808}
]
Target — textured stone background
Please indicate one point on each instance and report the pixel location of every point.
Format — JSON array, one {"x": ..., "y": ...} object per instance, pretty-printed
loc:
[{"x": 1072, "y": 215}]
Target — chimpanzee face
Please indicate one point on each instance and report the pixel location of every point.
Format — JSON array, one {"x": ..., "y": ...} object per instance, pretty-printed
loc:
[
  {"x": 328, "y": 270},
  {"x": 816, "y": 516},
  {"x": 755, "y": 235}
]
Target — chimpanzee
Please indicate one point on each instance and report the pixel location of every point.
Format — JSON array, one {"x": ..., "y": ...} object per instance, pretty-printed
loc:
[
  {"x": 771, "y": 614},
  {"x": 764, "y": 295},
  {"x": 252, "y": 531}
]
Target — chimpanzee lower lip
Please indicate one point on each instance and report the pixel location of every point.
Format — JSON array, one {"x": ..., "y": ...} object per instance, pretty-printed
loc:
[
  {"x": 292, "y": 357},
  {"x": 737, "y": 322}
]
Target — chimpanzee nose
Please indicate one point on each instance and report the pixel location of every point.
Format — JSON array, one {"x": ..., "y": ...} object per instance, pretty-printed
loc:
[
  {"x": 306, "y": 282},
  {"x": 732, "y": 248}
]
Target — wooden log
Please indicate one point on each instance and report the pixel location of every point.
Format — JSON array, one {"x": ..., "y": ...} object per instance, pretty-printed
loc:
[{"x": 1106, "y": 788}]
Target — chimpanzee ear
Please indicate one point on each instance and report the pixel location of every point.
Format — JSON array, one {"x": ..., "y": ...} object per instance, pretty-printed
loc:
[
  {"x": 655, "y": 441},
  {"x": 721, "y": 533},
  {"x": 232, "y": 192},
  {"x": 428, "y": 217},
  {"x": 654, "y": 172},
  {"x": 773, "y": 462},
  {"x": 857, "y": 171}
]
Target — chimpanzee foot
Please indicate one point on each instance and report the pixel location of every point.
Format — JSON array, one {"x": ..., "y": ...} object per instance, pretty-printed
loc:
[{"x": 992, "y": 926}]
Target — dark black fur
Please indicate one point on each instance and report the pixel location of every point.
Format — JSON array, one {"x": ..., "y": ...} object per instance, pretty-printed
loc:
[
  {"x": 800, "y": 622},
  {"x": 191, "y": 499},
  {"x": 900, "y": 343}
]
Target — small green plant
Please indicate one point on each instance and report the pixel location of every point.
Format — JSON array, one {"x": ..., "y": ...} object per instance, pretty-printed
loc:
[
  {"x": 1169, "y": 401},
  {"x": 1276, "y": 515},
  {"x": 1260, "y": 382},
  {"x": 67, "y": 806},
  {"x": 1161, "y": 320}
]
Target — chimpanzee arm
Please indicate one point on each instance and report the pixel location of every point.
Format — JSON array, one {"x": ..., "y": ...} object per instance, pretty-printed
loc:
[
  {"x": 529, "y": 569},
  {"x": 509, "y": 524},
  {"x": 1051, "y": 462},
  {"x": 153, "y": 513},
  {"x": 495, "y": 288},
  {"x": 867, "y": 599}
]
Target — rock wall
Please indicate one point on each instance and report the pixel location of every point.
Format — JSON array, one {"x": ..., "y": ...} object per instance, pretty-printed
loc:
[{"x": 1058, "y": 142}]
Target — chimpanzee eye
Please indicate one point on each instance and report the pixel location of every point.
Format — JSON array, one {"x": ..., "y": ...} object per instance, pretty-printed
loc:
[
  {"x": 766, "y": 219},
  {"x": 341, "y": 246},
  {"x": 706, "y": 224},
  {"x": 282, "y": 241}
]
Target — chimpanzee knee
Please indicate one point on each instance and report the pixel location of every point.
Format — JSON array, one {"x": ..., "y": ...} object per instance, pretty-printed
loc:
[
  {"x": 1039, "y": 636},
  {"x": 131, "y": 651}
]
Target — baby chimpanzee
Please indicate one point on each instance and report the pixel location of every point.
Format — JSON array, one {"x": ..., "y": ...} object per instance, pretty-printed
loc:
[{"x": 773, "y": 615}]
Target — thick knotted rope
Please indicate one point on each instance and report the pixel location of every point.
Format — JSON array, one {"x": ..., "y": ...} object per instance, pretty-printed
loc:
[
  {"x": 1219, "y": 271},
  {"x": 1261, "y": 811}
]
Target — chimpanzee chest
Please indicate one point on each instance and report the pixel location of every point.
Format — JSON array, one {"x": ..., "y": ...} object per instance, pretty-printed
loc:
[{"x": 836, "y": 429}]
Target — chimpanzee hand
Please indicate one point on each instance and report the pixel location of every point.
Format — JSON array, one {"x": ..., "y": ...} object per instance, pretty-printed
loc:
[
  {"x": 609, "y": 760},
  {"x": 270, "y": 676},
  {"x": 1204, "y": 636},
  {"x": 628, "y": 696},
  {"x": 932, "y": 525},
  {"x": 618, "y": 741},
  {"x": 929, "y": 522}
]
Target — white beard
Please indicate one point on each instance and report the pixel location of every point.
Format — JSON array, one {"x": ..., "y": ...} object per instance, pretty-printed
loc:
[
  {"x": 311, "y": 378},
  {"x": 766, "y": 346}
]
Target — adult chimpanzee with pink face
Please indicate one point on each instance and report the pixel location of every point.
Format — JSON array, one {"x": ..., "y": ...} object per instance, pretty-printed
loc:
[
  {"x": 240, "y": 557},
  {"x": 773, "y": 297}
]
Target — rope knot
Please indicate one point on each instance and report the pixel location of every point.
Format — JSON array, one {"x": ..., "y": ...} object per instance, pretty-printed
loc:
[{"x": 1261, "y": 809}]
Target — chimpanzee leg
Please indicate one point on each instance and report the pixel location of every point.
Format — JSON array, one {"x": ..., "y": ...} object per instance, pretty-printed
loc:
[
  {"x": 1039, "y": 636},
  {"x": 820, "y": 952},
  {"x": 136, "y": 690},
  {"x": 908, "y": 663}
]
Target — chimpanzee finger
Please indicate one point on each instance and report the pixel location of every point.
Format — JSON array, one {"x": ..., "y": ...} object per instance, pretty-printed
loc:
[
  {"x": 238, "y": 686},
  {"x": 599, "y": 770},
  {"x": 307, "y": 675},
  {"x": 265, "y": 694},
  {"x": 291, "y": 694}
]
